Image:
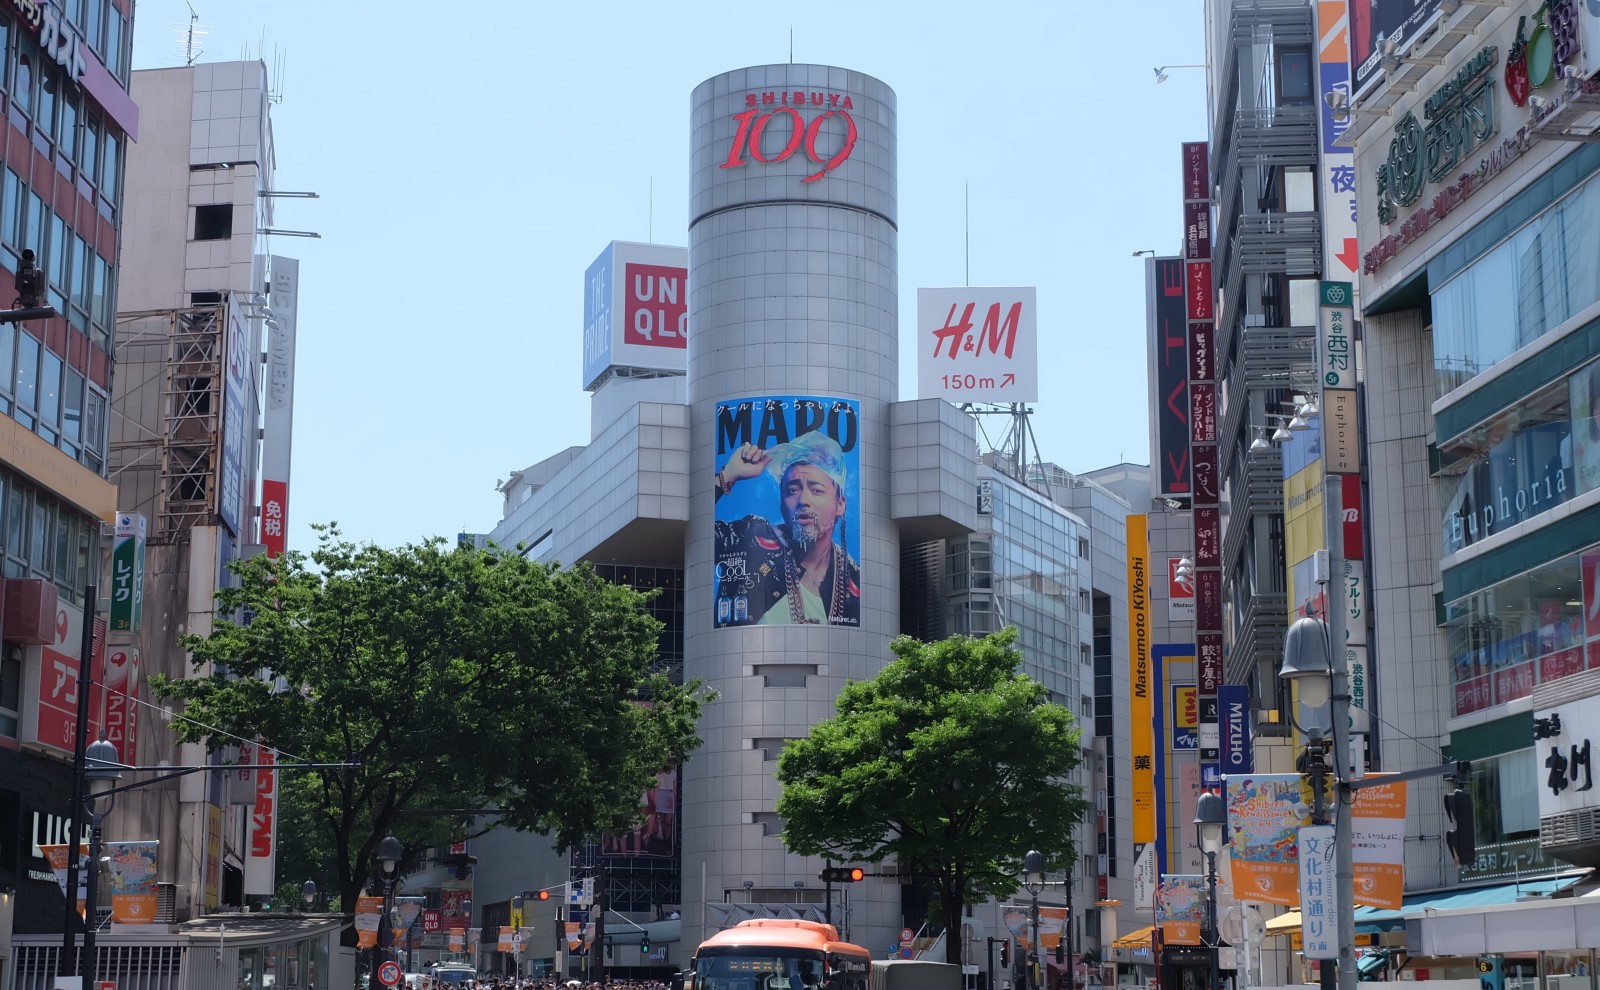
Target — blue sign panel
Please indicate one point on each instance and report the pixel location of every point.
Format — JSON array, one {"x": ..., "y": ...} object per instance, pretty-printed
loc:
[{"x": 1234, "y": 702}]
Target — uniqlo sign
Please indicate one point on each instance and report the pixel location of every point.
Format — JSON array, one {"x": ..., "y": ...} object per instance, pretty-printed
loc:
[{"x": 656, "y": 301}]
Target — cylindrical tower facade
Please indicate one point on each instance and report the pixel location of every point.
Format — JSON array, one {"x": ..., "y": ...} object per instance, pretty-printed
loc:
[{"x": 792, "y": 583}]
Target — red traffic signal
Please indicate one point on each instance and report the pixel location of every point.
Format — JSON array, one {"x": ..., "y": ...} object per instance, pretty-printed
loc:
[
  {"x": 843, "y": 874},
  {"x": 544, "y": 895}
]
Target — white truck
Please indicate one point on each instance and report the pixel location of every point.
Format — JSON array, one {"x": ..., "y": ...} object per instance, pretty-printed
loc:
[{"x": 913, "y": 974}]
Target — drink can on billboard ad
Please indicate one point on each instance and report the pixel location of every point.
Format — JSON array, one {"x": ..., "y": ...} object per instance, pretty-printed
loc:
[
  {"x": 1180, "y": 592},
  {"x": 787, "y": 542},
  {"x": 978, "y": 344}
]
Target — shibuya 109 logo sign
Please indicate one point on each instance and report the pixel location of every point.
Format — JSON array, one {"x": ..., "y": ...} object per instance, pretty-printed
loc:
[{"x": 777, "y": 126}]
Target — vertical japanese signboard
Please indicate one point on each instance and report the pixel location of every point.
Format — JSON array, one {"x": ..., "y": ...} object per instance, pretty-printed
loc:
[
  {"x": 1199, "y": 304},
  {"x": 1234, "y": 700},
  {"x": 127, "y": 573},
  {"x": 1319, "y": 895},
  {"x": 1168, "y": 322},
  {"x": 1141, "y": 702},
  {"x": 1341, "y": 434},
  {"x": 277, "y": 419},
  {"x": 261, "y": 850},
  {"x": 1338, "y": 165}
]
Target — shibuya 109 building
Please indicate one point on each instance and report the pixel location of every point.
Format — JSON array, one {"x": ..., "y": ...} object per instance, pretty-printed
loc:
[{"x": 760, "y": 471}]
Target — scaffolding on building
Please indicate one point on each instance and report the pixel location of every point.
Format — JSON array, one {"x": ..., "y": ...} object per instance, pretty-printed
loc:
[{"x": 167, "y": 445}]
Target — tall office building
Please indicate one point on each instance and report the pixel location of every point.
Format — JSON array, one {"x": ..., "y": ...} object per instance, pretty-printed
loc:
[
  {"x": 68, "y": 123},
  {"x": 205, "y": 349},
  {"x": 789, "y": 370}
]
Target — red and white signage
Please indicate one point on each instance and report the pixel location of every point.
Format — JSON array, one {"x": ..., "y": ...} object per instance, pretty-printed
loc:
[
  {"x": 121, "y": 722},
  {"x": 635, "y": 310},
  {"x": 275, "y": 516},
  {"x": 655, "y": 305},
  {"x": 978, "y": 344},
  {"x": 1180, "y": 593},
  {"x": 53, "y": 712},
  {"x": 261, "y": 849}
]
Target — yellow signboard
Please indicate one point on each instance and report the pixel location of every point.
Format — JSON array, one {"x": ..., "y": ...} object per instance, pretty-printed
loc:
[{"x": 1141, "y": 703}]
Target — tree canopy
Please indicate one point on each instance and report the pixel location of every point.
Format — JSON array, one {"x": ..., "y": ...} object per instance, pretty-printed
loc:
[
  {"x": 949, "y": 761},
  {"x": 454, "y": 679}
]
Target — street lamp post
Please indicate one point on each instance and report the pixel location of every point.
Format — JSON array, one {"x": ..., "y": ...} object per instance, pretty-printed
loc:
[
  {"x": 1210, "y": 818},
  {"x": 100, "y": 775},
  {"x": 390, "y": 853},
  {"x": 1033, "y": 881},
  {"x": 308, "y": 894},
  {"x": 1308, "y": 662}
]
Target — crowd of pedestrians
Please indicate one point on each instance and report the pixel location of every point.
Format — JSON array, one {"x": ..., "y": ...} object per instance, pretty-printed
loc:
[{"x": 492, "y": 982}]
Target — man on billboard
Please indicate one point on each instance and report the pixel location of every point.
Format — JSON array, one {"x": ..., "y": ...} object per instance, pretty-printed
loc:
[{"x": 799, "y": 571}]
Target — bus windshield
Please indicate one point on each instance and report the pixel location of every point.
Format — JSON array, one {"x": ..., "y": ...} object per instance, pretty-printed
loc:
[{"x": 763, "y": 968}]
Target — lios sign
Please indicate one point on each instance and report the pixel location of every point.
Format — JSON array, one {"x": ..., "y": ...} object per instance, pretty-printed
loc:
[
  {"x": 635, "y": 310},
  {"x": 978, "y": 344}
]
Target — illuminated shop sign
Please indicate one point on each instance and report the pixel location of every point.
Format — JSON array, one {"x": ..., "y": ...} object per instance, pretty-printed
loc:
[
  {"x": 57, "y": 35},
  {"x": 777, "y": 125}
]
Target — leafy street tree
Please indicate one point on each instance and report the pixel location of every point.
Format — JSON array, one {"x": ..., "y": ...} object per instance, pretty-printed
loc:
[
  {"x": 948, "y": 761},
  {"x": 453, "y": 678}
]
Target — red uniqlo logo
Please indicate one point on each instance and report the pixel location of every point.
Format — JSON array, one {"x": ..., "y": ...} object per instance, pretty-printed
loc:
[{"x": 656, "y": 307}]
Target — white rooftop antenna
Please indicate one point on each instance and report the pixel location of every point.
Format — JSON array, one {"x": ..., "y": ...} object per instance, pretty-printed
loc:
[{"x": 189, "y": 35}]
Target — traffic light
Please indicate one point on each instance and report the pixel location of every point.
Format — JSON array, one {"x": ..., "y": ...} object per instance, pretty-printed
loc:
[
  {"x": 1005, "y": 953},
  {"x": 1061, "y": 950},
  {"x": 544, "y": 895},
  {"x": 1462, "y": 837},
  {"x": 644, "y": 945},
  {"x": 843, "y": 874}
]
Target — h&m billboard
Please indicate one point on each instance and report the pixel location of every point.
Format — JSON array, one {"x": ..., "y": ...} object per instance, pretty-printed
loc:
[
  {"x": 978, "y": 344},
  {"x": 636, "y": 310}
]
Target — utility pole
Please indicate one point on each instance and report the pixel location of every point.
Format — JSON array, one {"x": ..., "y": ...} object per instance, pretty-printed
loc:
[{"x": 597, "y": 949}]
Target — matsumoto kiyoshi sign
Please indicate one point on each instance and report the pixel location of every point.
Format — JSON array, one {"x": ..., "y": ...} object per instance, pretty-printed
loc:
[{"x": 776, "y": 126}]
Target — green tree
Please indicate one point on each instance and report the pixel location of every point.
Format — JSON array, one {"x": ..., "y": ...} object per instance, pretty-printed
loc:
[
  {"x": 949, "y": 761},
  {"x": 451, "y": 679}
]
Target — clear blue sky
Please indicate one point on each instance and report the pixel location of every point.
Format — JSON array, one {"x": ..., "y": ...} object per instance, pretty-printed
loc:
[{"x": 473, "y": 159}]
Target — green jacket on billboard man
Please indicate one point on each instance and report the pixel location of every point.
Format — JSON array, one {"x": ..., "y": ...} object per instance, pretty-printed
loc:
[{"x": 799, "y": 571}]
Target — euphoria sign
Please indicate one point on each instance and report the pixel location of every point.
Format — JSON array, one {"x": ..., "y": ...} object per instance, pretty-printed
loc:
[{"x": 777, "y": 126}]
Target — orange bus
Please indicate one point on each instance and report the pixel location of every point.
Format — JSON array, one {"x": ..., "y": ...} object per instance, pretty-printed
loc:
[{"x": 779, "y": 954}]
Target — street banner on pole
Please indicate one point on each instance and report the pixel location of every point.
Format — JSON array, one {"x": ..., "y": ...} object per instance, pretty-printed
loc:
[
  {"x": 1264, "y": 810},
  {"x": 133, "y": 881},
  {"x": 1181, "y": 908},
  {"x": 1319, "y": 893},
  {"x": 368, "y": 910},
  {"x": 1378, "y": 833}
]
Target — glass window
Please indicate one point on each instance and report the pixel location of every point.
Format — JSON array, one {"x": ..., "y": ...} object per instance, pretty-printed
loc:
[
  {"x": 94, "y": 429},
  {"x": 80, "y": 271},
  {"x": 17, "y": 523},
  {"x": 108, "y": 168},
  {"x": 213, "y": 222},
  {"x": 97, "y": 304},
  {"x": 50, "y": 391},
  {"x": 33, "y": 226},
  {"x": 26, "y": 389},
  {"x": 49, "y": 89},
  {"x": 11, "y": 203},
  {"x": 58, "y": 265},
  {"x": 10, "y": 691},
  {"x": 72, "y": 407},
  {"x": 1303, "y": 302},
  {"x": 89, "y": 156},
  {"x": 114, "y": 45},
  {"x": 40, "y": 533},
  {"x": 5, "y": 45},
  {"x": 93, "y": 31},
  {"x": 22, "y": 91},
  {"x": 65, "y": 533},
  {"x": 1513, "y": 635},
  {"x": 68, "y": 142},
  {"x": 1524, "y": 287},
  {"x": 1294, "y": 76}
]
